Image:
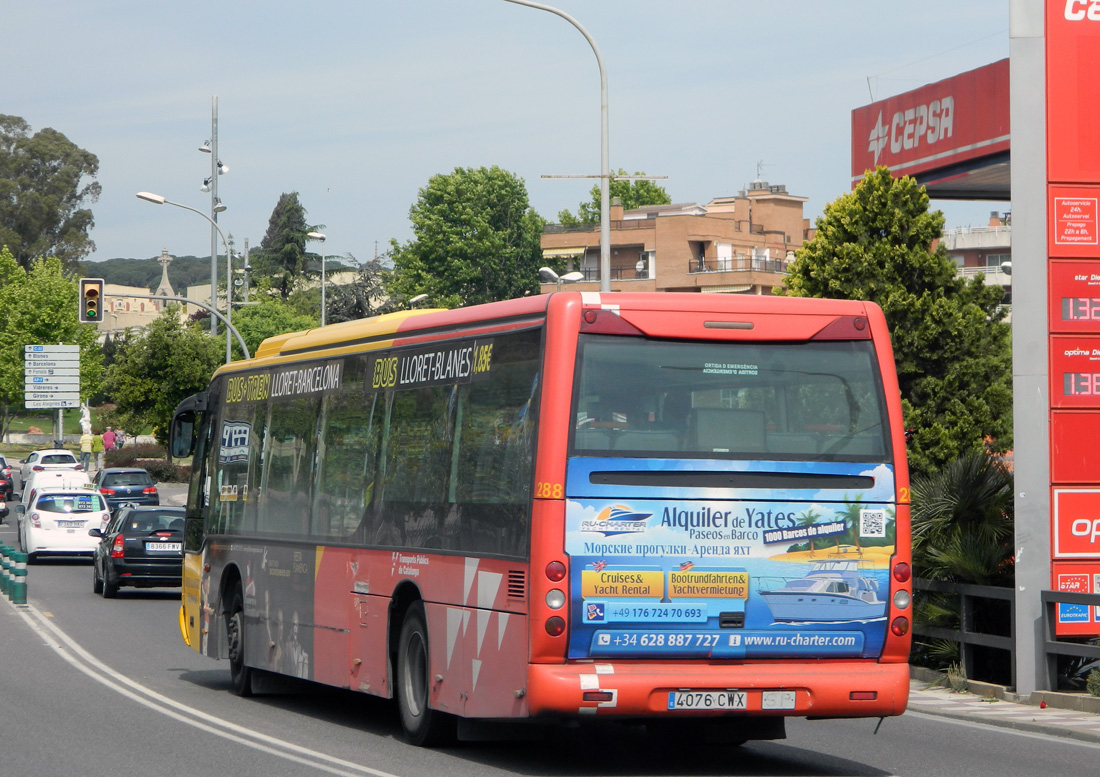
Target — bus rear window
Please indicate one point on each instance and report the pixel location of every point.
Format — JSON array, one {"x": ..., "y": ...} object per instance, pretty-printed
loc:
[{"x": 819, "y": 401}]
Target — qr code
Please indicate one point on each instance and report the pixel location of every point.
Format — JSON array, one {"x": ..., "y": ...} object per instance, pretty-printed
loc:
[{"x": 872, "y": 523}]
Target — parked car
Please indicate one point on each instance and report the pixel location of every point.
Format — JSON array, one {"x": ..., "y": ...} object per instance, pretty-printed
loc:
[
  {"x": 126, "y": 485},
  {"x": 50, "y": 458},
  {"x": 57, "y": 520},
  {"x": 141, "y": 547}
]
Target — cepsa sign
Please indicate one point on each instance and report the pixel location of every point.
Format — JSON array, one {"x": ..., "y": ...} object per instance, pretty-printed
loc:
[
  {"x": 1073, "y": 112},
  {"x": 954, "y": 120}
]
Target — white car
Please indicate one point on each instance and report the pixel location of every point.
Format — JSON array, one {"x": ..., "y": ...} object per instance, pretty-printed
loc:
[
  {"x": 54, "y": 478},
  {"x": 57, "y": 521},
  {"x": 51, "y": 458}
]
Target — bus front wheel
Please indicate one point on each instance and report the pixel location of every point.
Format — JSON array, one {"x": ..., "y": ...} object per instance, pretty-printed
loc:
[
  {"x": 423, "y": 726},
  {"x": 240, "y": 674}
]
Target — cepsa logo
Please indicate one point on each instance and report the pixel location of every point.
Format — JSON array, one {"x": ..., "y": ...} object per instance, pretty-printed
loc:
[
  {"x": 927, "y": 123},
  {"x": 1082, "y": 10}
]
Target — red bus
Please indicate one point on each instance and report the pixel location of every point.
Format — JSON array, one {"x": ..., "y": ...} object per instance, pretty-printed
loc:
[{"x": 685, "y": 510}]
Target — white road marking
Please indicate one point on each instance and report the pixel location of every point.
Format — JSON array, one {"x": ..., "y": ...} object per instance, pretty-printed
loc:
[{"x": 62, "y": 644}]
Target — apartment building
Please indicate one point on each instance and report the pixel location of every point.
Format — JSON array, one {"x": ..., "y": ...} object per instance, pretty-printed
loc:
[
  {"x": 733, "y": 245},
  {"x": 986, "y": 250}
]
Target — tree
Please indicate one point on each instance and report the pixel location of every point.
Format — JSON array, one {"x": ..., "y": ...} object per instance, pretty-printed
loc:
[
  {"x": 951, "y": 345},
  {"x": 156, "y": 369},
  {"x": 45, "y": 183},
  {"x": 476, "y": 240},
  {"x": 272, "y": 316},
  {"x": 39, "y": 307},
  {"x": 282, "y": 253},
  {"x": 366, "y": 296},
  {"x": 632, "y": 194}
]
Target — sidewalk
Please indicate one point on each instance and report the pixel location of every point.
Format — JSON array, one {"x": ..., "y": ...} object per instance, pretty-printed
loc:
[{"x": 994, "y": 706}]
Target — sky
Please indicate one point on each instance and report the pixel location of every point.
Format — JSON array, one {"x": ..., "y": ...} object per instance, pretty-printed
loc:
[{"x": 355, "y": 104}]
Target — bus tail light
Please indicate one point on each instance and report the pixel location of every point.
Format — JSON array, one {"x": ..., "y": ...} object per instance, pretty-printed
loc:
[
  {"x": 902, "y": 572},
  {"x": 863, "y": 695},
  {"x": 902, "y": 599},
  {"x": 555, "y": 626},
  {"x": 555, "y": 599},
  {"x": 555, "y": 571},
  {"x": 116, "y": 548},
  {"x": 899, "y": 626}
]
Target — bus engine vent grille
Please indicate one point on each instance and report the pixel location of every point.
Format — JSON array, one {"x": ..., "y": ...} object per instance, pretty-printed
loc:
[{"x": 517, "y": 584}]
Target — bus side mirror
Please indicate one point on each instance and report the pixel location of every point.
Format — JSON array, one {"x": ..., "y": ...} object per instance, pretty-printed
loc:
[{"x": 181, "y": 440}]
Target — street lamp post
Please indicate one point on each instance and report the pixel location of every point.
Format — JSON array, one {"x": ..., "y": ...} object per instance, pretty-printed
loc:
[
  {"x": 605, "y": 172},
  {"x": 321, "y": 236},
  {"x": 546, "y": 275},
  {"x": 156, "y": 199},
  {"x": 211, "y": 185}
]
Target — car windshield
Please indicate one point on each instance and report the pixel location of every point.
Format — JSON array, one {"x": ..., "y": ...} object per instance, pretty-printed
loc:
[
  {"x": 70, "y": 503},
  {"x": 127, "y": 479}
]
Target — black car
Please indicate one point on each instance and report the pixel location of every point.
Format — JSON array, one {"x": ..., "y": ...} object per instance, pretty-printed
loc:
[
  {"x": 126, "y": 485},
  {"x": 142, "y": 547}
]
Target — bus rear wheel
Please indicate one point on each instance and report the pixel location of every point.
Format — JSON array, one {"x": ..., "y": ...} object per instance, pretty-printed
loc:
[
  {"x": 423, "y": 726},
  {"x": 240, "y": 674}
]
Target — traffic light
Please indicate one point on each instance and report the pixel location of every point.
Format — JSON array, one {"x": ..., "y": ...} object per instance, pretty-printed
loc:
[{"x": 91, "y": 300}]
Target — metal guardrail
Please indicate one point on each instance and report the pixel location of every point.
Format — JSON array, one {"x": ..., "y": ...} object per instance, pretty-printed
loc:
[{"x": 966, "y": 636}]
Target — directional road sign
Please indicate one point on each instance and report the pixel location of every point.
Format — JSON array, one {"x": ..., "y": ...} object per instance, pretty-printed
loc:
[
  {"x": 51, "y": 376},
  {"x": 51, "y": 349},
  {"x": 29, "y": 371},
  {"x": 51, "y": 403},
  {"x": 52, "y": 380}
]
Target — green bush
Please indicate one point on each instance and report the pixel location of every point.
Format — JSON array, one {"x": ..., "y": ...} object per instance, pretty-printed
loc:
[
  {"x": 152, "y": 458},
  {"x": 1092, "y": 685}
]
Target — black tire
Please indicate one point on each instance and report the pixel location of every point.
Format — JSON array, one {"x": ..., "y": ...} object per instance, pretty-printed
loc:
[
  {"x": 423, "y": 726},
  {"x": 97, "y": 581},
  {"x": 110, "y": 590},
  {"x": 240, "y": 674}
]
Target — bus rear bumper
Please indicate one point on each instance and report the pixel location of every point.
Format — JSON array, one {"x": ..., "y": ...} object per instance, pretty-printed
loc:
[{"x": 806, "y": 690}]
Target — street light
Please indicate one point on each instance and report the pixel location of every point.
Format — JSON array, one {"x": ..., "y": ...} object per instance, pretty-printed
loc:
[
  {"x": 417, "y": 300},
  {"x": 211, "y": 185},
  {"x": 320, "y": 236},
  {"x": 546, "y": 275},
  {"x": 156, "y": 199},
  {"x": 605, "y": 172}
]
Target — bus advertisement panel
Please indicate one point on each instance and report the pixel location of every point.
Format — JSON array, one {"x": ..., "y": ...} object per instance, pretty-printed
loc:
[{"x": 669, "y": 577}]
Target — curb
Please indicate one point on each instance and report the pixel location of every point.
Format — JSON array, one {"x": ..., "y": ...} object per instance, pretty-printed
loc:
[{"x": 1066, "y": 715}]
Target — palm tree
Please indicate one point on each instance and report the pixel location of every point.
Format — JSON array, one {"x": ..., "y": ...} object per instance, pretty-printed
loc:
[
  {"x": 962, "y": 519},
  {"x": 963, "y": 522}
]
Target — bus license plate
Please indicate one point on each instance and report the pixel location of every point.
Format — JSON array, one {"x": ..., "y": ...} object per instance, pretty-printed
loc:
[
  {"x": 707, "y": 700},
  {"x": 163, "y": 547}
]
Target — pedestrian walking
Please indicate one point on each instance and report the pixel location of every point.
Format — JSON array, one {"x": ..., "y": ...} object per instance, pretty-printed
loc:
[
  {"x": 109, "y": 439},
  {"x": 97, "y": 449},
  {"x": 86, "y": 450}
]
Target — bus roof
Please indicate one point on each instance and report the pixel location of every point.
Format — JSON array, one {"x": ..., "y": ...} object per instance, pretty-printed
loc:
[{"x": 382, "y": 330}]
